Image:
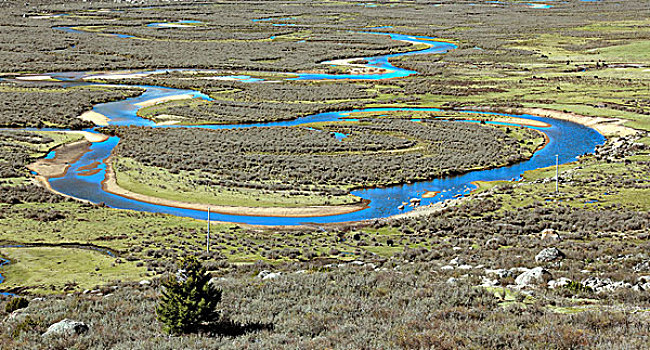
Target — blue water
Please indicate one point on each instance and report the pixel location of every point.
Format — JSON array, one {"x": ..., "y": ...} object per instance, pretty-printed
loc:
[
  {"x": 4, "y": 262},
  {"x": 383, "y": 62},
  {"x": 568, "y": 140},
  {"x": 539, "y": 6}
]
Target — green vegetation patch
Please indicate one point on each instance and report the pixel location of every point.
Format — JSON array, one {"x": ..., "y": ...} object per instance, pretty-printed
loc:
[{"x": 53, "y": 269}]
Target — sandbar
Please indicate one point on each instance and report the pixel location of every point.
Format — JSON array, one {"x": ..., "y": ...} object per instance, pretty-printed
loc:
[
  {"x": 64, "y": 156},
  {"x": 607, "y": 126},
  {"x": 156, "y": 101},
  {"x": 94, "y": 117}
]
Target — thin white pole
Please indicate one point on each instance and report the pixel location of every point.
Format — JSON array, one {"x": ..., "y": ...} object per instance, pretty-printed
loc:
[
  {"x": 557, "y": 172},
  {"x": 207, "y": 246}
]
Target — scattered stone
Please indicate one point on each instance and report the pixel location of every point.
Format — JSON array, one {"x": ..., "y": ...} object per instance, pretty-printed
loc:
[
  {"x": 502, "y": 273},
  {"x": 548, "y": 255},
  {"x": 465, "y": 267},
  {"x": 266, "y": 275},
  {"x": 144, "y": 283},
  {"x": 559, "y": 283},
  {"x": 549, "y": 235},
  {"x": 263, "y": 273},
  {"x": 533, "y": 276},
  {"x": 457, "y": 261},
  {"x": 272, "y": 275},
  {"x": 487, "y": 282},
  {"x": 452, "y": 280},
  {"x": 66, "y": 328},
  {"x": 642, "y": 266},
  {"x": 447, "y": 268}
]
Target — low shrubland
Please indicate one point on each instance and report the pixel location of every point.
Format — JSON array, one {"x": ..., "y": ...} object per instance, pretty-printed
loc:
[{"x": 377, "y": 152}]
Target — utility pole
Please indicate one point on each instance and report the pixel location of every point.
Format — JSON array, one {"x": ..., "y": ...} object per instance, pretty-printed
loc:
[
  {"x": 557, "y": 172},
  {"x": 207, "y": 245}
]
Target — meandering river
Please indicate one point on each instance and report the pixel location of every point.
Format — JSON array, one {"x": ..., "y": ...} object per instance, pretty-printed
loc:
[{"x": 568, "y": 140}]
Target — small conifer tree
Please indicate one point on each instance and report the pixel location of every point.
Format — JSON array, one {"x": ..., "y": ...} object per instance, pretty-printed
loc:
[{"x": 188, "y": 300}]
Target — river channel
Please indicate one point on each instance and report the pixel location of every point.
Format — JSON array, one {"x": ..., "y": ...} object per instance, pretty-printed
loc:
[{"x": 567, "y": 140}]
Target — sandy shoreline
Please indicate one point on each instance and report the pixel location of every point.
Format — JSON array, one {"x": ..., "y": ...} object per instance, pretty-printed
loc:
[
  {"x": 604, "y": 125},
  {"x": 64, "y": 156}
]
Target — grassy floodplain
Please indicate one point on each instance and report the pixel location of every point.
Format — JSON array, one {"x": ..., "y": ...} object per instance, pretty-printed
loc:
[{"x": 441, "y": 278}]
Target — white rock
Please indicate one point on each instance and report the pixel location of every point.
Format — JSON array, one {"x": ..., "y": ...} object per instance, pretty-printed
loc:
[
  {"x": 145, "y": 282},
  {"x": 549, "y": 254},
  {"x": 533, "y": 276},
  {"x": 487, "y": 282},
  {"x": 457, "y": 261},
  {"x": 465, "y": 267},
  {"x": 447, "y": 268},
  {"x": 66, "y": 328},
  {"x": 272, "y": 275},
  {"x": 452, "y": 280},
  {"x": 559, "y": 283},
  {"x": 549, "y": 235},
  {"x": 263, "y": 274}
]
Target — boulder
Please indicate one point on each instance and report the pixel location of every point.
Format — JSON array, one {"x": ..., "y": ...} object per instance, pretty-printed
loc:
[
  {"x": 533, "y": 276},
  {"x": 597, "y": 284},
  {"x": 66, "y": 328},
  {"x": 549, "y": 235},
  {"x": 263, "y": 273},
  {"x": 267, "y": 275},
  {"x": 549, "y": 254},
  {"x": 558, "y": 283}
]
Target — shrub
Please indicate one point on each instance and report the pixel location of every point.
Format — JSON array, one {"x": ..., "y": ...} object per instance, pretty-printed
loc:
[
  {"x": 15, "y": 304},
  {"x": 188, "y": 299},
  {"x": 577, "y": 287}
]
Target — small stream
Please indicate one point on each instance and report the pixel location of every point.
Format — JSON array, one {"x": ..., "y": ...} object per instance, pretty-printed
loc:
[{"x": 568, "y": 140}]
